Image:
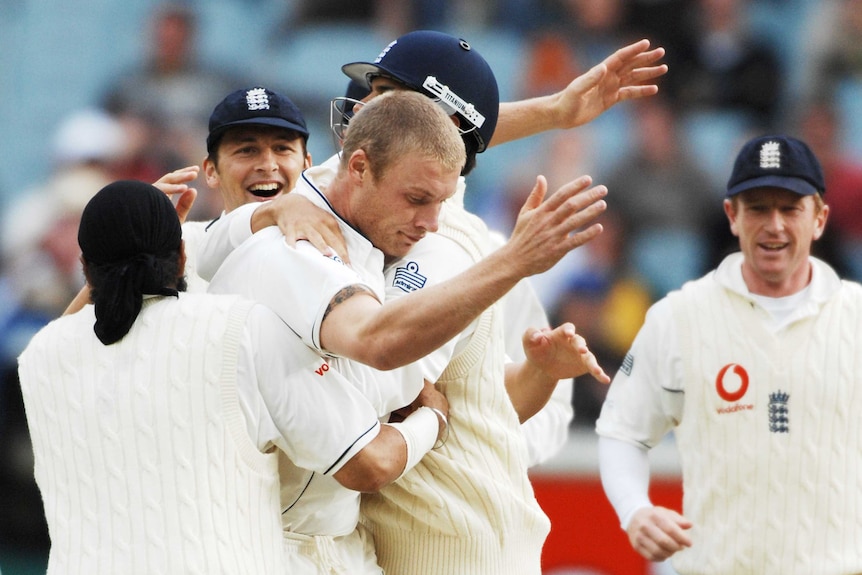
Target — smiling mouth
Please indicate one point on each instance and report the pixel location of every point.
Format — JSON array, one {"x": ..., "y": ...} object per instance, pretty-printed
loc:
[{"x": 264, "y": 190}]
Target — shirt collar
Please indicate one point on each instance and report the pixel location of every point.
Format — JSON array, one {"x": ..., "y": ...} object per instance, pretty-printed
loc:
[{"x": 824, "y": 281}]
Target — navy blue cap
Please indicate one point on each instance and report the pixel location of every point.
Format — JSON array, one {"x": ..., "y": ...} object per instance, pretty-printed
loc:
[
  {"x": 445, "y": 68},
  {"x": 779, "y": 162},
  {"x": 256, "y": 106}
]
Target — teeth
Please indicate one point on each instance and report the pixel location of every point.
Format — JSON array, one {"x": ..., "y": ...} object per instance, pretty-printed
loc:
[{"x": 264, "y": 187}]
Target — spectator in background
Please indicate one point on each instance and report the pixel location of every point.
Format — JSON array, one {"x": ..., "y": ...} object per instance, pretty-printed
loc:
[
  {"x": 843, "y": 174},
  {"x": 836, "y": 45},
  {"x": 607, "y": 304},
  {"x": 41, "y": 272},
  {"x": 40, "y": 253},
  {"x": 166, "y": 100},
  {"x": 729, "y": 69},
  {"x": 665, "y": 200},
  {"x": 665, "y": 22}
]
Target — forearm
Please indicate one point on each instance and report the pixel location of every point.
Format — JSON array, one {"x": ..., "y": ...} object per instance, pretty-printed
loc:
[
  {"x": 410, "y": 327},
  {"x": 221, "y": 238},
  {"x": 396, "y": 449},
  {"x": 624, "y": 471},
  {"x": 529, "y": 388},
  {"x": 548, "y": 430},
  {"x": 524, "y": 118}
]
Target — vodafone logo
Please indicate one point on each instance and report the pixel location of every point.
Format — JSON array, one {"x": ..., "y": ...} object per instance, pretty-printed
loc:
[{"x": 731, "y": 388}]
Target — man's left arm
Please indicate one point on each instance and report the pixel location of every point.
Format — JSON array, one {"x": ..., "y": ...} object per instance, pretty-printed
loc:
[
  {"x": 551, "y": 355},
  {"x": 626, "y": 74}
]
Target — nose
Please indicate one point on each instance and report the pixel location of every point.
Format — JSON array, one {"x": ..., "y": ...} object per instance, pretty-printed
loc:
[
  {"x": 428, "y": 218},
  {"x": 775, "y": 220},
  {"x": 268, "y": 161}
]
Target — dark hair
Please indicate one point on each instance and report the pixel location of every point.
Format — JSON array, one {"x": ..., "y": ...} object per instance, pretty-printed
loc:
[{"x": 131, "y": 246}]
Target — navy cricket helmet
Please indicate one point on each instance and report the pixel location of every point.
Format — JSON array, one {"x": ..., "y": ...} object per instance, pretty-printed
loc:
[{"x": 446, "y": 69}]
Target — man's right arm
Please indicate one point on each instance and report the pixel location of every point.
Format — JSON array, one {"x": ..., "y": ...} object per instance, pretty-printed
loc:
[
  {"x": 413, "y": 326},
  {"x": 645, "y": 401},
  {"x": 306, "y": 222},
  {"x": 294, "y": 399},
  {"x": 654, "y": 532},
  {"x": 223, "y": 236}
]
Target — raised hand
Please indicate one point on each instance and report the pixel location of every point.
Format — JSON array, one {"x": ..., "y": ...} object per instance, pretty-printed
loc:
[
  {"x": 546, "y": 230},
  {"x": 561, "y": 353},
  {"x": 176, "y": 183},
  {"x": 626, "y": 74}
]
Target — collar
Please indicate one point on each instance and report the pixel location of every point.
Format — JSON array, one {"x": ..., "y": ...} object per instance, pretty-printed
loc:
[{"x": 824, "y": 281}]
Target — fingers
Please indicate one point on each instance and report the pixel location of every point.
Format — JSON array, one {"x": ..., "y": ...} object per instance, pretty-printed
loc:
[
  {"x": 594, "y": 369},
  {"x": 592, "y": 78},
  {"x": 537, "y": 194},
  {"x": 634, "y": 68},
  {"x": 545, "y": 233},
  {"x": 657, "y": 533},
  {"x": 294, "y": 234},
  {"x": 176, "y": 182},
  {"x": 184, "y": 204},
  {"x": 643, "y": 74},
  {"x": 571, "y": 189},
  {"x": 623, "y": 55}
]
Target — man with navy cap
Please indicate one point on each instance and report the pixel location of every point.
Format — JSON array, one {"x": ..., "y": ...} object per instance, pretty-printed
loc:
[
  {"x": 757, "y": 370},
  {"x": 155, "y": 412}
]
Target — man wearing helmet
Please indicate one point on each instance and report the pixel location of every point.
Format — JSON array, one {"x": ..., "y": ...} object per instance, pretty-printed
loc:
[
  {"x": 445, "y": 68},
  {"x": 471, "y": 505},
  {"x": 387, "y": 188}
]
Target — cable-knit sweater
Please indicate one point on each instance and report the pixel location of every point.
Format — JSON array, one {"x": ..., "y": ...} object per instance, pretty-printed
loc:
[
  {"x": 468, "y": 507},
  {"x": 141, "y": 451},
  {"x": 771, "y": 449}
]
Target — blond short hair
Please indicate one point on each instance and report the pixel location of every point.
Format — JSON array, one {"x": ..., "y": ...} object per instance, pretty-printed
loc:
[{"x": 401, "y": 122}]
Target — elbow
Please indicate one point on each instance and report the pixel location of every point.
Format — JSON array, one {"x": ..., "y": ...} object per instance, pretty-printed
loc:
[
  {"x": 374, "y": 484},
  {"x": 370, "y": 479},
  {"x": 384, "y": 354}
]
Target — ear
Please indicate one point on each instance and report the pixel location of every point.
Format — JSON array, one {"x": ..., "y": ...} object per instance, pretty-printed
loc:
[
  {"x": 308, "y": 163},
  {"x": 730, "y": 212},
  {"x": 357, "y": 166},
  {"x": 211, "y": 173},
  {"x": 820, "y": 222}
]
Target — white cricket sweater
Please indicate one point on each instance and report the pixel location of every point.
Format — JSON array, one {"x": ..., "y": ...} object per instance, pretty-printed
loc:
[
  {"x": 773, "y": 471},
  {"x": 142, "y": 454},
  {"x": 468, "y": 507}
]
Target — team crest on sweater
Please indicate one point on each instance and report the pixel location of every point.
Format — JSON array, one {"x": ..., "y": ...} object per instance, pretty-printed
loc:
[
  {"x": 408, "y": 278},
  {"x": 779, "y": 412}
]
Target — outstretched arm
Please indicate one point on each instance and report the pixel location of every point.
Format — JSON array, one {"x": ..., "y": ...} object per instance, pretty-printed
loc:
[
  {"x": 412, "y": 326},
  {"x": 626, "y": 74},
  {"x": 552, "y": 355}
]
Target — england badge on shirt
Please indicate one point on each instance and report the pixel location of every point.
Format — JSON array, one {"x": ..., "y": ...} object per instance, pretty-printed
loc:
[{"x": 408, "y": 278}]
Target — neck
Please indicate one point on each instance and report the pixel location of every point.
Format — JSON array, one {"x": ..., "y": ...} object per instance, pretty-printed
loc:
[
  {"x": 338, "y": 195},
  {"x": 783, "y": 287}
]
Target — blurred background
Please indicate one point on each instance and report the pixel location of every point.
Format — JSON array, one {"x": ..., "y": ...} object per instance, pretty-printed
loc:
[{"x": 96, "y": 90}]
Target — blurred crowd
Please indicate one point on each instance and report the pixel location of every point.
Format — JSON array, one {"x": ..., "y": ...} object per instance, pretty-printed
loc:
[{"x": 737, "y": 68}]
